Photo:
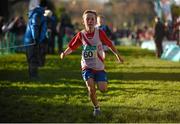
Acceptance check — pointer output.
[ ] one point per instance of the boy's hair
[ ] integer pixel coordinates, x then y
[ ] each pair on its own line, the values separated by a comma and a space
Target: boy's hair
101, 16
90, 11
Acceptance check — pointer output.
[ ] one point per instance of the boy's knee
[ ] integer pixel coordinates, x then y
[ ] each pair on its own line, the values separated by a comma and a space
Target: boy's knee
103, 89
102, 86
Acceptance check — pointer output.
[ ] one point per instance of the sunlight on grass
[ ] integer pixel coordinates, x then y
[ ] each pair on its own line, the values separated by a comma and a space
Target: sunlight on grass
143, 89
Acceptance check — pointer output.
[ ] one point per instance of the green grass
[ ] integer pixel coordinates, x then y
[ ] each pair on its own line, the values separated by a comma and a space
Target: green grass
143, 89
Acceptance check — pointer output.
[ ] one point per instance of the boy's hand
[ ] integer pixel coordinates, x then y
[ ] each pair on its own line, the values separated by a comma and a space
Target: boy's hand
62, 55
119, 58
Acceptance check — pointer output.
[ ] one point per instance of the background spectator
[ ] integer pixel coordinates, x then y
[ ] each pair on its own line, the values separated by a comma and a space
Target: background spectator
158, 36
35, 38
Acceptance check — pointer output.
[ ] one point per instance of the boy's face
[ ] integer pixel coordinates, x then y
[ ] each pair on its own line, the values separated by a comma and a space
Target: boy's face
100, 21
89, 21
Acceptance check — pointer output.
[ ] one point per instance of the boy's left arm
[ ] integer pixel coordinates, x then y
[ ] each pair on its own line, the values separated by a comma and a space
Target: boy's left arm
108, 42
116, 53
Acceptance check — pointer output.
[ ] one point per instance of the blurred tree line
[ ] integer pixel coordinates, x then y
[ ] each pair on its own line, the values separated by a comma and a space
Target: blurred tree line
175, 11
118, 13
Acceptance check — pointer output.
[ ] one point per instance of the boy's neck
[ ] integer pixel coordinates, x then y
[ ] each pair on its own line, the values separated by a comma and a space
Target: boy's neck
90, 30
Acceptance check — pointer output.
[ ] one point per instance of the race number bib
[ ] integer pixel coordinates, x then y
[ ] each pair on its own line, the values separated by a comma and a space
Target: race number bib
89, 52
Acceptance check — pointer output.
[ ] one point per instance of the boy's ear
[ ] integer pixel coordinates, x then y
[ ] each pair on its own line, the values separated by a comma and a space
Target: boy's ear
96, 21
82, 21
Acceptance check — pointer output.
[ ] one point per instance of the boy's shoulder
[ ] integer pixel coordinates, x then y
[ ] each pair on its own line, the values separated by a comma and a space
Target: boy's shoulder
84, 31
78, 34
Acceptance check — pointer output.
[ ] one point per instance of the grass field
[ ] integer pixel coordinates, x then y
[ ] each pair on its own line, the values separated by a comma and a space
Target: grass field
143, 89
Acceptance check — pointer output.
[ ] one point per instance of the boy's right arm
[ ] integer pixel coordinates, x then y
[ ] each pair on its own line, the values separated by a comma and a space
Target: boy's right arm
73, 45
66, 52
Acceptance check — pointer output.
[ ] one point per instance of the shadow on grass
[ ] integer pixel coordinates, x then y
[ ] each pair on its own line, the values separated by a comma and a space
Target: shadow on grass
19, 109
42, 90
144, 76
40, 103
46, 75
133, 92
22, 110
56, 75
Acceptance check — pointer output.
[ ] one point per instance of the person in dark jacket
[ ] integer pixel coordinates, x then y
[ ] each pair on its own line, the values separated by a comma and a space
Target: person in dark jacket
159, 36
101, 24
35, 38
1, 25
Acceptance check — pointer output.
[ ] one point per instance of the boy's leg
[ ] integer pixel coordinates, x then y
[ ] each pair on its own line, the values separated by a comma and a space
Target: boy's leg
88, 76
42, 54
32, 59
92, 91
101, 79
102, 86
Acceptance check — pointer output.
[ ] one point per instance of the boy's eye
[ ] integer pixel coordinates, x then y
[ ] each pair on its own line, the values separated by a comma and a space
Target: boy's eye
90, 19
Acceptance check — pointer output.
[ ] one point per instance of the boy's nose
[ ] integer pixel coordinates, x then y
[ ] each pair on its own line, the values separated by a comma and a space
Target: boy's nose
91, 20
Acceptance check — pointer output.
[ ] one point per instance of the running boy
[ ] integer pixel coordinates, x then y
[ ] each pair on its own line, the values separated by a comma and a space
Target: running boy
92, 62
